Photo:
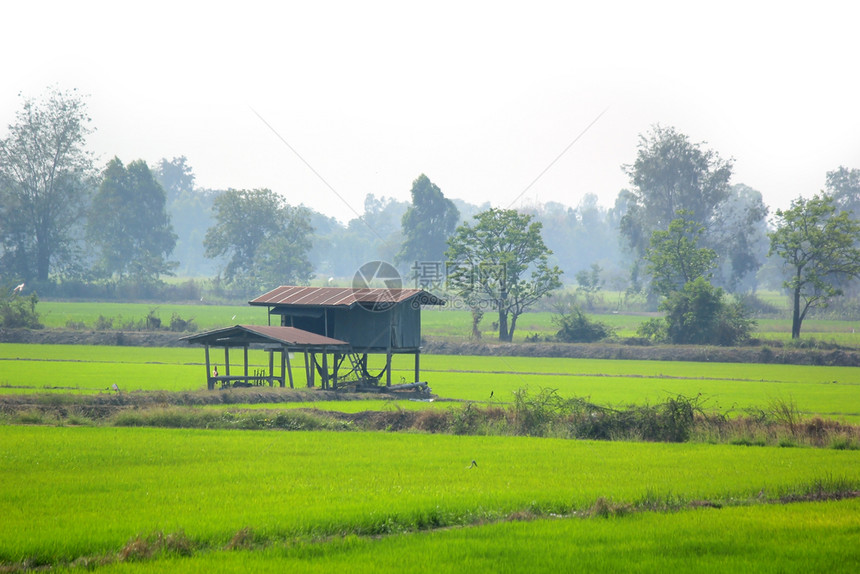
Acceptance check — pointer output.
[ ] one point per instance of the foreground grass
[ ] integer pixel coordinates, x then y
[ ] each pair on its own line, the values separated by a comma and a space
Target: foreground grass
67, 493
808, 537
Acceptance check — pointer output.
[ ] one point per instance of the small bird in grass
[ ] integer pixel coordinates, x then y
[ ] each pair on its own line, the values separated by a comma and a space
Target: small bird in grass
473, 465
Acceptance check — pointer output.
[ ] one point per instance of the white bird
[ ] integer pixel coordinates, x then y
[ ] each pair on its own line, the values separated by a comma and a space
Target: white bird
234, 318
18, 289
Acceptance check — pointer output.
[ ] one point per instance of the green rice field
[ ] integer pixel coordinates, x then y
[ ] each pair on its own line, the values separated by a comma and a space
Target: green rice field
831, 392
70, 494
435, 322
134, 499
811, 537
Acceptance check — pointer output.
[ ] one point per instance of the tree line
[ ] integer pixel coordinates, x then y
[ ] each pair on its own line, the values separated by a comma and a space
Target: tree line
683, 233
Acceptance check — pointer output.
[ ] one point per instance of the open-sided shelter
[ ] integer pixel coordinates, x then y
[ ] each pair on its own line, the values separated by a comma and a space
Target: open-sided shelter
282, 340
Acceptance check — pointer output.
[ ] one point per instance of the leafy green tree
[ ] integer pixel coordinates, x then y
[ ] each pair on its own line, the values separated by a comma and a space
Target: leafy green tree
427, 223
265, 239
488, 263
674, 257
671, 174
45, 184
129, 225
819, 250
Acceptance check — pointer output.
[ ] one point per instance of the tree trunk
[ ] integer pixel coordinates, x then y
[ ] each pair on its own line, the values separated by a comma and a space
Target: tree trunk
796, 318
43, 260
504, 336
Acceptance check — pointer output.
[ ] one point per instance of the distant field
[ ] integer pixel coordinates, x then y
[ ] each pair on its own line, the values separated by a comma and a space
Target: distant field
435, 322
833, 392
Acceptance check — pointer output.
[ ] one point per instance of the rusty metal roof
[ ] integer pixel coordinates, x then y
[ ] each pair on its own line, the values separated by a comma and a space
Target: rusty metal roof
260, 334
342, 296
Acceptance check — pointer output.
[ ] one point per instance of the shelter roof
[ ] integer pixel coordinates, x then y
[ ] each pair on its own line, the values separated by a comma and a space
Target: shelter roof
342, 296
260, 334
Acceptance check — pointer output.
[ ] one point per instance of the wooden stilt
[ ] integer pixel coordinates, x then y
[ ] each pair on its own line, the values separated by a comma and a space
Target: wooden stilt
285, 360
272, 368
417, 371
246, 363
210, 382
227, 361
388, 369
324, 376
337, 359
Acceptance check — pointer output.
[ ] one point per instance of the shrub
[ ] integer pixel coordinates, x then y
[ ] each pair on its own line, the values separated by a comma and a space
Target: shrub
653, 330
698, 315
178, 324
575, 327
17, 311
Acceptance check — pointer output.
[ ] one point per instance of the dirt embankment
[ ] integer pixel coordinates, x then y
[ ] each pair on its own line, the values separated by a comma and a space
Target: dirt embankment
761, 354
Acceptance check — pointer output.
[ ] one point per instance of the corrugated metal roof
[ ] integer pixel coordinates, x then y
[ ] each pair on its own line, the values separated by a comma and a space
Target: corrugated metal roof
240, 334
341, 296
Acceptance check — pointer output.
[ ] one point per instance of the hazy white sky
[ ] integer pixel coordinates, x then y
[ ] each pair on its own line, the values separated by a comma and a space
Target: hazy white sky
480, 96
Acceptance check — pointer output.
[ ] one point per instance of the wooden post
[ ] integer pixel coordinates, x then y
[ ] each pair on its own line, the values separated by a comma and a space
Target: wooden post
285, 360
313, 368
246, 364
388, 369
210, 383
308, 369
226, 360
324, 376
337, 359
272, 368
417, 373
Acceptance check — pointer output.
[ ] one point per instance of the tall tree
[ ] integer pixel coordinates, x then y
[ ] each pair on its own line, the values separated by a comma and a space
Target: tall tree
190, 210
45, 182
670, 174
489, 262
843, 185
265, 239
427, 223
738, 234
175, 176
129, 223
819, 250
675, 258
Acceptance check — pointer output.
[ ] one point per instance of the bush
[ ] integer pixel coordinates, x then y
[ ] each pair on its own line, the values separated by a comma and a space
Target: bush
653, 330
698, 315
17, 311
575, 327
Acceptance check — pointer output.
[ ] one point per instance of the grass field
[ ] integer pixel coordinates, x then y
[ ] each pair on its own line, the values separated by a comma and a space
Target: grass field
833, 392
801, 538
119, 499
67, 493
435, 322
